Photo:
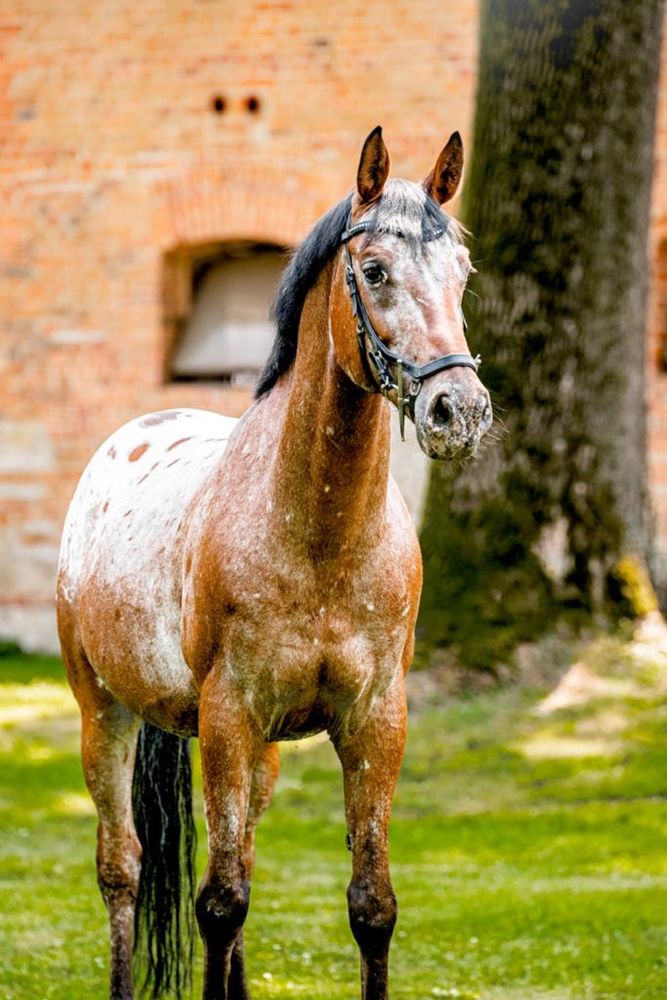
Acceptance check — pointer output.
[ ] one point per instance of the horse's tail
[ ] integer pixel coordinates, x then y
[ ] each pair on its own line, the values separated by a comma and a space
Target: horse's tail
164, 925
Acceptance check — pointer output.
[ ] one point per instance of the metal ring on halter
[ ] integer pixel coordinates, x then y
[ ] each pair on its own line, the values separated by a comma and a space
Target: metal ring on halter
380, 357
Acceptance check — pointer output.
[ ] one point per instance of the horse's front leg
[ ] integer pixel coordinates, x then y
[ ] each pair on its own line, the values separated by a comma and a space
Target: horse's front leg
371, 751
230, 748
261, 789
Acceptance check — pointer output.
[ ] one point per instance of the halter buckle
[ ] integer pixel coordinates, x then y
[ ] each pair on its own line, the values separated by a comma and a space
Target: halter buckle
400, 399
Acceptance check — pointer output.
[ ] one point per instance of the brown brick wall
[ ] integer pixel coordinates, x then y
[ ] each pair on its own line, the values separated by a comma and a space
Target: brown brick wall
113, 155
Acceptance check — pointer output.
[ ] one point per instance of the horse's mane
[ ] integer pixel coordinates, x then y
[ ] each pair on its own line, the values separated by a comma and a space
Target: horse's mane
299, 276
404, 208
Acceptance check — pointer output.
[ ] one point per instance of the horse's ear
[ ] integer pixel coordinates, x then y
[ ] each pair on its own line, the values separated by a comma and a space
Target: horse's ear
444, 179
373, 166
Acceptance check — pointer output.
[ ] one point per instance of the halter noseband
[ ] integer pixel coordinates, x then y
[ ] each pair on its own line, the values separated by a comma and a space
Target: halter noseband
379, 362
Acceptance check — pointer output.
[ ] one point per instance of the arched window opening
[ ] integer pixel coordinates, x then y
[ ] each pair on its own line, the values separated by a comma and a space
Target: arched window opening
218, 299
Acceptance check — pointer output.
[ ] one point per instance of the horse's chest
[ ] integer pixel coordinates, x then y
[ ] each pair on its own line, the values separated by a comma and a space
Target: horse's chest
303, 662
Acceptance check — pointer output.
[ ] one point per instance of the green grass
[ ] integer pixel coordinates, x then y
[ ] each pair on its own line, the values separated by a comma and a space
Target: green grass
529, 851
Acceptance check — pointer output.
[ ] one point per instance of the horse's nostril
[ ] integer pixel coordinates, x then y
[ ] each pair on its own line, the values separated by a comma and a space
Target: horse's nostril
487, 416
442, 412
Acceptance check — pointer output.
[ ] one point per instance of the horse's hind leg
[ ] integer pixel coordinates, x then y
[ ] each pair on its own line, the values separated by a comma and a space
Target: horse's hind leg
108, 743
261, 789
371, 751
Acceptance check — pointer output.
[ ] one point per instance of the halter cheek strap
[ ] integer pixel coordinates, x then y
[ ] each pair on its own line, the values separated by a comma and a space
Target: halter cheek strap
384, 368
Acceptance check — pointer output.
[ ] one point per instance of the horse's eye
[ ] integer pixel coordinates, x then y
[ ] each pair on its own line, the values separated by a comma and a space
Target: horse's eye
374, 274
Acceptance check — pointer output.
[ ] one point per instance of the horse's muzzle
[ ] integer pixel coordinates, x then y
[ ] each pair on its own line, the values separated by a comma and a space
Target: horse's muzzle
452, 415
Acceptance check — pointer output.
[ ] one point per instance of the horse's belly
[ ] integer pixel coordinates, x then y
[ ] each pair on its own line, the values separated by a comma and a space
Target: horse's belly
131, 635
120, 564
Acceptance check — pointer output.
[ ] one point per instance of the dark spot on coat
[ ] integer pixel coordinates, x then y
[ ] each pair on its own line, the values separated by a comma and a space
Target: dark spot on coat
137, 452
158, 418
169, 464
112, 452
180, 441
106, 507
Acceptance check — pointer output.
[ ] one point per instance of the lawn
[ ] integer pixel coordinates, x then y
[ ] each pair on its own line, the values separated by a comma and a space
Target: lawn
528, 846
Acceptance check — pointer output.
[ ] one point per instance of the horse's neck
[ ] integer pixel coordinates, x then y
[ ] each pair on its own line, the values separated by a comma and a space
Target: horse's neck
332, 466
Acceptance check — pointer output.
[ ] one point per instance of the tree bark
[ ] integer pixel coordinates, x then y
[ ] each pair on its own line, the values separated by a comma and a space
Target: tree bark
552, 520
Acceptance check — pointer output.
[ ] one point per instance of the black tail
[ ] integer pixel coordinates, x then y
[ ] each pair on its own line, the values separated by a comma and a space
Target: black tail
164, 926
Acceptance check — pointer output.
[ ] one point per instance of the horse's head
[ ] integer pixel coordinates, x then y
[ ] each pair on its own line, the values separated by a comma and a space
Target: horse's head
404, 268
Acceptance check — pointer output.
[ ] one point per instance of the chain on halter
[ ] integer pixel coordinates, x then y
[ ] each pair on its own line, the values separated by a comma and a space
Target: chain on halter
379, 362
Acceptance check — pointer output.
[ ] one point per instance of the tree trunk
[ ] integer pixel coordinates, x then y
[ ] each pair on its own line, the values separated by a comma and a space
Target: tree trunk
551, 521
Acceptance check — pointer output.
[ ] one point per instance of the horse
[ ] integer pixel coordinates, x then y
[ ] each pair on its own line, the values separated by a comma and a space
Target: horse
258, 580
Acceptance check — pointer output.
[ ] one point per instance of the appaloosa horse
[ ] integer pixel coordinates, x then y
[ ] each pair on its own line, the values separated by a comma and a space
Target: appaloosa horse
254, 581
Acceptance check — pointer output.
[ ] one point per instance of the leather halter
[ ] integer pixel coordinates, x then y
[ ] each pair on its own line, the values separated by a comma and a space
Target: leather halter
379, 362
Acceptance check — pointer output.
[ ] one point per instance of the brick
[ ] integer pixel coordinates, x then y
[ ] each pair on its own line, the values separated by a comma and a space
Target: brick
25, 447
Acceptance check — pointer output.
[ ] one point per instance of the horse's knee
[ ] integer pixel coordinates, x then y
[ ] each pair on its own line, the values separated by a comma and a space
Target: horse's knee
221, 909
372, 910
118, 865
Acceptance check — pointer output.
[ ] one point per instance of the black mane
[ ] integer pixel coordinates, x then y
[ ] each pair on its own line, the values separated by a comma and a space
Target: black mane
403, 209
299, 276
